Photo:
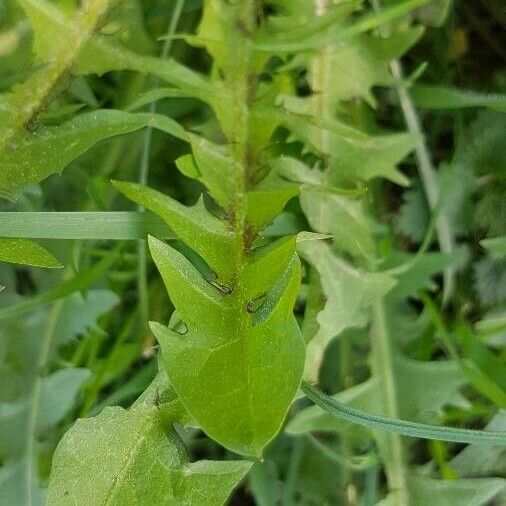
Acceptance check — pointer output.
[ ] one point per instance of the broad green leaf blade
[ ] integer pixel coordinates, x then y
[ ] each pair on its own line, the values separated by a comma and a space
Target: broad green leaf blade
234, 362
204, 233
403, 427
129, 457
50, 149
342, 217
109, 225
26, 252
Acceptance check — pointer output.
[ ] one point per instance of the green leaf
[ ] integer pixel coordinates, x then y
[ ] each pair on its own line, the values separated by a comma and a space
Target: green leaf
436, 13
413, 218
440, 97
129, 457
417, 272
81, 281
465, 492
268, 198
495, 246
490, 280
204, 233
349, 294
26, 100
354, 155
98, 54
110, 225
342, 217
289, 34
423, 389
34, 402
225, 341
214, 167
413, 429
363, 62
58, 392
26, 252
477, 460
316, 40
81, 310
50, 149
330, 212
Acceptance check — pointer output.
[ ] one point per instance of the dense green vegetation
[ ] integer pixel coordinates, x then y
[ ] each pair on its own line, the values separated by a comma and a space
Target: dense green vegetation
252, 252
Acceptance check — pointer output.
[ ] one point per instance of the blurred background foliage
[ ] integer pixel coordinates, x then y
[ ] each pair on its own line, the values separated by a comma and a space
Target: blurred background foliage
92, 349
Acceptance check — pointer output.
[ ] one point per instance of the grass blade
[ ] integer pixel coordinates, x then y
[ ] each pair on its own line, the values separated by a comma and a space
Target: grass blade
82, 225
402, 427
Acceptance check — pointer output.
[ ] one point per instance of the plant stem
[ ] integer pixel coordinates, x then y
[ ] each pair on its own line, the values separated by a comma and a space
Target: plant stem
321, 77
38, 88
426, 168
34, 397
427, 175
293, 472
321, 86
383, 369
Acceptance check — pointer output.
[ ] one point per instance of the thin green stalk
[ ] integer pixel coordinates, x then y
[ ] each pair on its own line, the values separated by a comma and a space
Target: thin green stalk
371, 479
426, 168
345, 361
321, 71
34, 399
427, 175
474, 375
293, 472
34, 396
382, 367
322, 85
142, 279
93, 389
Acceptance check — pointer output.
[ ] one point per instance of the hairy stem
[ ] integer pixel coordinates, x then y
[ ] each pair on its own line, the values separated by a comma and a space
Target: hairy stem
239, 81
37, 90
